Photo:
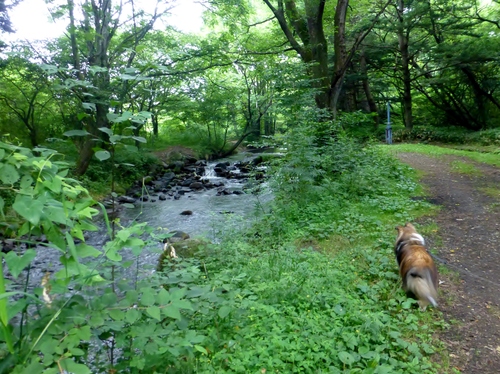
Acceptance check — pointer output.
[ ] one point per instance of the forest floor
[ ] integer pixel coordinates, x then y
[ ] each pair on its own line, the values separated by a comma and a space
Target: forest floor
468, 242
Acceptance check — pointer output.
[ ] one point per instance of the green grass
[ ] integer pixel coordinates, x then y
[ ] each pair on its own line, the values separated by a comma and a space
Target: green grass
462, 167
491, 191
436, 151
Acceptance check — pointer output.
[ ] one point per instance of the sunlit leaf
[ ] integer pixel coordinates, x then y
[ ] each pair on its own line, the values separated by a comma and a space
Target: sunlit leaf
89, 106
102, 155
106, 130
139, 139
76, 133
199, 348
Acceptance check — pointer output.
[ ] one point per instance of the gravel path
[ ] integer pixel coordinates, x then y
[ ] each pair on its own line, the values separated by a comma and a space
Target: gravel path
468, 239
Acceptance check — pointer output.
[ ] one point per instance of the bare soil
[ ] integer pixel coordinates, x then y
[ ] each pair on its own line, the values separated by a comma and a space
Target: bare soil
468, 241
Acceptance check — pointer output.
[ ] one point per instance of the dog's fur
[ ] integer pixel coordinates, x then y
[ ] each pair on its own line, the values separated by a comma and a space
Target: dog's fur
417, 269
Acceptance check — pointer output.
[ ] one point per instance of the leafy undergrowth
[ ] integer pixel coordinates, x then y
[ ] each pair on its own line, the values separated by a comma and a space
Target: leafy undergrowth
312, 287
334, 305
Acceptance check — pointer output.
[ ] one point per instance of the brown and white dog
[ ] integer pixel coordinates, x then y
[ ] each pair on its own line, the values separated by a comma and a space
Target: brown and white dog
416, 267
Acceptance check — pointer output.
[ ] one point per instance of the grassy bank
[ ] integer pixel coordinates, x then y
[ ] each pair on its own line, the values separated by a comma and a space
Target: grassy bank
491, 158
315, 288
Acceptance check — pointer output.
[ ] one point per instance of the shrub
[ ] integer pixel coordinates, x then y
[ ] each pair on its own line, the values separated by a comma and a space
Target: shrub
450, 135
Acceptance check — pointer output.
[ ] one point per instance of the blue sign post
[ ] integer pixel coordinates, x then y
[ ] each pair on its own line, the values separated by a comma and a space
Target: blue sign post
388, 128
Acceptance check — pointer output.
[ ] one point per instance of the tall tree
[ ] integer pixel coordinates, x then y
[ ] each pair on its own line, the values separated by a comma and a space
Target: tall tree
103, 40
304, 27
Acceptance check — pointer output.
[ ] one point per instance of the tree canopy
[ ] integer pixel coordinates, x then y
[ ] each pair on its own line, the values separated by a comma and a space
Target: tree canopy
122, 68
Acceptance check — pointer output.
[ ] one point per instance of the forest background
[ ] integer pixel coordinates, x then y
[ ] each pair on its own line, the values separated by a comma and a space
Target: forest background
312, 76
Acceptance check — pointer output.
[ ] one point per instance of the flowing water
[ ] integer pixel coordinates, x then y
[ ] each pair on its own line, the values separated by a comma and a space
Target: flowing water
211, 217
210, 213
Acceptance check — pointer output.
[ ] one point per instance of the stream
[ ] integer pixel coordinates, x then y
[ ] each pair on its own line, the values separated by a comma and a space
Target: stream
212, 215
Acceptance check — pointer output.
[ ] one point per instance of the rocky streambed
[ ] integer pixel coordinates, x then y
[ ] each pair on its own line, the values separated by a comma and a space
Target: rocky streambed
196, 196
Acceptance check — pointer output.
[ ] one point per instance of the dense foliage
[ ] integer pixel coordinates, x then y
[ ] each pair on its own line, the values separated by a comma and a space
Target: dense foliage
312, 285
431, 59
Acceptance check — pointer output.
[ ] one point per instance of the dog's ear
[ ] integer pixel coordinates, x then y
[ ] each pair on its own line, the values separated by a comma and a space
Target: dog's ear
410, 226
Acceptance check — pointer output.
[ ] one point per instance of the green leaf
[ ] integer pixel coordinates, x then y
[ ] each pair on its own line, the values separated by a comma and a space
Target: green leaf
97, 69
2, 204
85, 250
123, 235
154, 312
199, 348
346, 358
33, 367
89, 106
28, 208
16, 264
125, 116
115, 138
163, 297
55, 214
106, 130
102, 155
172, 312
9, 174
132, 315
111, 252
136, 244
117, 314
384, 369
76, 133
197, 291
71, 245
72, 367
147, 297
2, 153
53, 184
81, 116
183, 304
224, 311
112, 117
26, 182
139, 139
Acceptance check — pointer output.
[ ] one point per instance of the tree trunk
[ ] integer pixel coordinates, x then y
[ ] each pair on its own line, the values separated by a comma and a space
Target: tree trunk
84, 157
154, 120
339, 67
405, 66
33, 136
372, 105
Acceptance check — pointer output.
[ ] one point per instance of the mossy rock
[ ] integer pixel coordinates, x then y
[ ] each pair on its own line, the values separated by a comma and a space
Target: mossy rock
189, 248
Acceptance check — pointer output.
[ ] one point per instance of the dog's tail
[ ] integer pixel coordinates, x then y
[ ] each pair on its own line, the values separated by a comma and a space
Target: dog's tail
419, 282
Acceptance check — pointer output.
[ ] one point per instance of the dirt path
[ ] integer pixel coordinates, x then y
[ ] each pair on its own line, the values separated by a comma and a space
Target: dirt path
469, 240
